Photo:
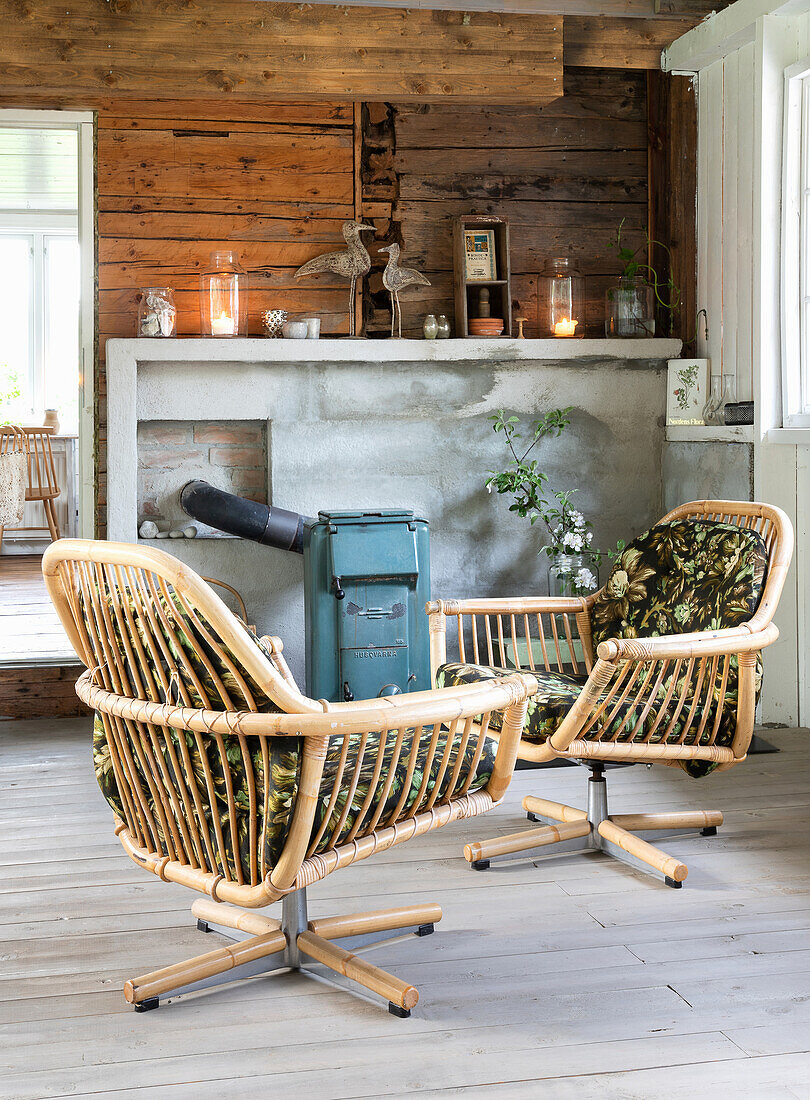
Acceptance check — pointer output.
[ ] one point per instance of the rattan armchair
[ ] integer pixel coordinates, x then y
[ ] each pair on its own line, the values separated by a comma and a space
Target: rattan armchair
619, 687
225, 778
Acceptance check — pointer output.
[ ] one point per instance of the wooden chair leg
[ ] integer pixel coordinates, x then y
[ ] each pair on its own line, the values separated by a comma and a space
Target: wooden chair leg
398, 993
2, 529
671, 868
482, 851
194, 973
686, 819
231, 916
50, 516
382, 920
555, 811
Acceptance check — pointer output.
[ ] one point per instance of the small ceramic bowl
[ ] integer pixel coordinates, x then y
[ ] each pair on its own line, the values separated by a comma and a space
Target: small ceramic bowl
486, 326
273, 321
295, 330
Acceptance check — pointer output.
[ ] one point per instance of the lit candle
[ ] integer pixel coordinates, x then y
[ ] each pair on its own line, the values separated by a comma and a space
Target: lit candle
565, 327
224, 325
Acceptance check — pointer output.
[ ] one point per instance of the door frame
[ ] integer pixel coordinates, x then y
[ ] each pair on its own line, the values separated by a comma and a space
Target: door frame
83, 123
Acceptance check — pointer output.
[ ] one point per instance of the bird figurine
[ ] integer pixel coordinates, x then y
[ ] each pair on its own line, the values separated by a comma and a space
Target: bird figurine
351, 263
396, 278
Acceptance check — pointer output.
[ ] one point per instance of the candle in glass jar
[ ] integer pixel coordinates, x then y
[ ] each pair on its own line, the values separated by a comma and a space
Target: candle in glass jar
565, 327
223, 325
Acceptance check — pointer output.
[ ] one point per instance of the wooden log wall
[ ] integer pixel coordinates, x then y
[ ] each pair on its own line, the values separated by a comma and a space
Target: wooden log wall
566, 175
178, 180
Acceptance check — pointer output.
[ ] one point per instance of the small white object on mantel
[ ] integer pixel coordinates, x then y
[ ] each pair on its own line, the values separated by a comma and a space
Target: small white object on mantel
190, 532
148, 529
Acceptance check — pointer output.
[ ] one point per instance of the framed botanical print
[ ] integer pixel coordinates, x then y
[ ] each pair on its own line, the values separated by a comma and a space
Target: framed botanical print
687, 381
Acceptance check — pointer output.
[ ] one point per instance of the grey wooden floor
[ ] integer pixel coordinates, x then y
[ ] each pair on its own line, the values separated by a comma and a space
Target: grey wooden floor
30, 630
565, 977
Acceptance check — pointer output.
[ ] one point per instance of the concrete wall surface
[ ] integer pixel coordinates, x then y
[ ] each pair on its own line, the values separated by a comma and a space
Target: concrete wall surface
707, 471
353, 435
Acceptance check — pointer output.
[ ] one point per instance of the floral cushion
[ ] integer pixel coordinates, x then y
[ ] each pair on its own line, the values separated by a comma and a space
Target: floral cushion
546, 710
678, 577
276, 798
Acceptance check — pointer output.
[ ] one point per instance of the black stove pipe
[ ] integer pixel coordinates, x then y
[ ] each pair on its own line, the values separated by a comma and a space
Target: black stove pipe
245, 518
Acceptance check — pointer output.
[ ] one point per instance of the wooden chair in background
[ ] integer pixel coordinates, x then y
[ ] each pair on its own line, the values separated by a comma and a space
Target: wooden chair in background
43, 485
225, 778
626, 678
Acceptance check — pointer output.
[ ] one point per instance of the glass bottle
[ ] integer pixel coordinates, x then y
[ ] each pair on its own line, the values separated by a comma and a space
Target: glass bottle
444, 328
224, 297
157, 313
430, 327
729, 395
711, 410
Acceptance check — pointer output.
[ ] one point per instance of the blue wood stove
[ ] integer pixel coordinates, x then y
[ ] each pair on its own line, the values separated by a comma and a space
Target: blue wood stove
366, 583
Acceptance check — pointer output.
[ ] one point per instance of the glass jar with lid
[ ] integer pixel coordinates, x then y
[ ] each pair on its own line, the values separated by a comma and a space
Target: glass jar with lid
157, 314
224, 297
561, 300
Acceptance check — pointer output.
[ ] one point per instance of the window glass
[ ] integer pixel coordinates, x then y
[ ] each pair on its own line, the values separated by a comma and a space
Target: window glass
16, 328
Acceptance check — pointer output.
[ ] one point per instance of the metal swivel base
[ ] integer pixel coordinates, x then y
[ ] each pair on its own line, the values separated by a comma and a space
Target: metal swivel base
319, 949
572, 830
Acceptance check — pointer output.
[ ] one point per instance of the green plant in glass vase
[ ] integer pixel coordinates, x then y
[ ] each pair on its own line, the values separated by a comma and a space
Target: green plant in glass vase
631, 305
574, 563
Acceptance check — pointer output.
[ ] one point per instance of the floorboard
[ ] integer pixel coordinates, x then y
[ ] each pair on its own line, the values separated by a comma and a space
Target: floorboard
30, 630
547, 977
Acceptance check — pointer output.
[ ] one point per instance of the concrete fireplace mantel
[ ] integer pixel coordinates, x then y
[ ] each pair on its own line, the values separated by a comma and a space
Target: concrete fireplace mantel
343, 350
398, 423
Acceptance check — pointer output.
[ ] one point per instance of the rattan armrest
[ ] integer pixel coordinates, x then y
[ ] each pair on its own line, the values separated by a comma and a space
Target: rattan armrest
516, 605
683, 646
419, 708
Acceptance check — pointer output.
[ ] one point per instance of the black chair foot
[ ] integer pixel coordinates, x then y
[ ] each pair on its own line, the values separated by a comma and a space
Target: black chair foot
203, 926
673, 883
425, 930
532, 817
480, 865
395, 1010
148, 1005
710, 830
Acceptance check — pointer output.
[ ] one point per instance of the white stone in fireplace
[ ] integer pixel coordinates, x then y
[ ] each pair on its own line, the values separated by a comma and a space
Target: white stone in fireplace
399, 423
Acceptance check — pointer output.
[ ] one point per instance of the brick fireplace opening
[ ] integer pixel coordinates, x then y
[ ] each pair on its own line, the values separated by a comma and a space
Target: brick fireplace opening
230, 454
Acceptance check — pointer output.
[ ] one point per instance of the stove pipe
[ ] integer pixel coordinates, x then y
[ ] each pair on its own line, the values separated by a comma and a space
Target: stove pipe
245, 518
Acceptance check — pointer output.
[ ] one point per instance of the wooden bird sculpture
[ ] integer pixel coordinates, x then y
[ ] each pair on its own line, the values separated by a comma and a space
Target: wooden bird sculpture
396, 278
351, 263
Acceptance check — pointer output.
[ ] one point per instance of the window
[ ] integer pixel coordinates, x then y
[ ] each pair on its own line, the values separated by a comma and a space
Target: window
39, 274
796, 249
39, 331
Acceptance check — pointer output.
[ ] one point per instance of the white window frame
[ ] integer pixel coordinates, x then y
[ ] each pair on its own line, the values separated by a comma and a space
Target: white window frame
39, 229
82, 122
796, 248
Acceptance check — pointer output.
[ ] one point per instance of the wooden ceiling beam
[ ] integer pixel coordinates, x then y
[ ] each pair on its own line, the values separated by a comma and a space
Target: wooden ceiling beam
250, 50
619, 43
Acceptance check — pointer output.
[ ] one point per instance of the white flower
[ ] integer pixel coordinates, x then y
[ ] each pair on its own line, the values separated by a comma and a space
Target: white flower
584, 580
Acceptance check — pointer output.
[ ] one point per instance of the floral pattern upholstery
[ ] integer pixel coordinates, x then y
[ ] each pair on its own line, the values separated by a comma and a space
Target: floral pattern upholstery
273, 772
678, 577
275, 798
